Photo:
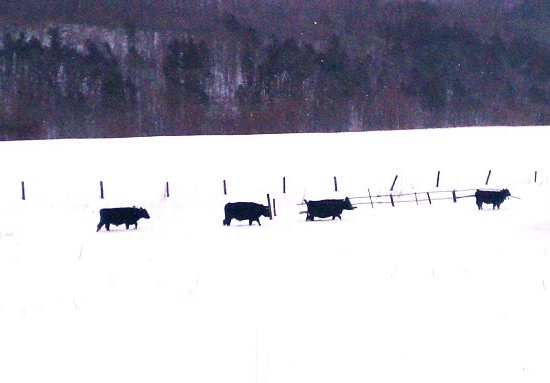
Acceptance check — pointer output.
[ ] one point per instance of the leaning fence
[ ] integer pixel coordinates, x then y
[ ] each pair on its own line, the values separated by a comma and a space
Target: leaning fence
412, 197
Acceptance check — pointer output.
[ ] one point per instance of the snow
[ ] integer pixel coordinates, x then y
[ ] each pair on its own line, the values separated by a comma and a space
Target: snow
430, 293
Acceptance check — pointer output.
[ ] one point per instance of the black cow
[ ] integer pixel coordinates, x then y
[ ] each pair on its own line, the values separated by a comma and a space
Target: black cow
245, 211
491, 197
327, 208
121, 215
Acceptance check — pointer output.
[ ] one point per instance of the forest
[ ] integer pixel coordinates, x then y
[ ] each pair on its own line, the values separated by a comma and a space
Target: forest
86, 69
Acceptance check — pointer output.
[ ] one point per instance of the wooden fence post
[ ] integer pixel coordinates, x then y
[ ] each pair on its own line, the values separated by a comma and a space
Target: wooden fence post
335, 184
101, 190
535, 176
415, 198
391, 199
269, 206
224, 188
393, 184
167, 190
284, 185
370, 198
487, 180
429, 199
437, 183
454, 196
274, 208
23, 197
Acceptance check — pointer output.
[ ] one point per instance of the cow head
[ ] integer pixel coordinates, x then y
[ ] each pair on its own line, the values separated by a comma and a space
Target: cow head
265, 211
506, 193
347, 204
143, 213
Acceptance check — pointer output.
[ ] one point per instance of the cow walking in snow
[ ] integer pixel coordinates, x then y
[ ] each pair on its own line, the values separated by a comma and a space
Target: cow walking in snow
121, 215
327, 208
496, 198
242, 211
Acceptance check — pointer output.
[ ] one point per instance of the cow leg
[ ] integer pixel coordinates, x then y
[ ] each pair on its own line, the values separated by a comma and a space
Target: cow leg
135, 226
99, 226
107, 226
258, 220
250, 222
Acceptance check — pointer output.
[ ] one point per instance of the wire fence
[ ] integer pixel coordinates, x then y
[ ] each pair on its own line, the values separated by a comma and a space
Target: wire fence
370, 199
414, 197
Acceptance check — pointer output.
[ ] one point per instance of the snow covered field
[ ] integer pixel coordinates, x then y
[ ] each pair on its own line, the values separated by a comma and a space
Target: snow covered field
412, 293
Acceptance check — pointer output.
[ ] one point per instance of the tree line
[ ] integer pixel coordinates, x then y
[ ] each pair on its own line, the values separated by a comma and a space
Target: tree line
288, 66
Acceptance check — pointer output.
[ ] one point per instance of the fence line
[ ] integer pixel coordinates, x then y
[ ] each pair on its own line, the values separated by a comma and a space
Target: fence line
395, 200
371, 197
413, 193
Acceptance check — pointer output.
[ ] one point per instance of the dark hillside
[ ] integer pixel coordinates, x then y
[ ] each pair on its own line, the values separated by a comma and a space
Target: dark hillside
78, 68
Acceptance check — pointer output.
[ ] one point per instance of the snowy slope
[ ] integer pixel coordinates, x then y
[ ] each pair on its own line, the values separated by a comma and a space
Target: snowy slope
431, 293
